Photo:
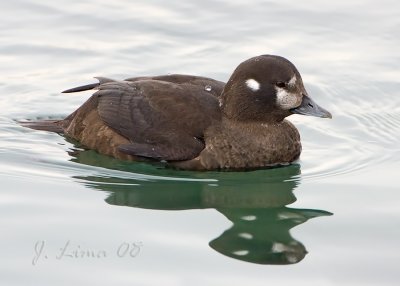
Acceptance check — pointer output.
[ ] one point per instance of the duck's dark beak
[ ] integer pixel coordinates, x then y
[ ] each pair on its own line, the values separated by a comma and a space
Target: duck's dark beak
309, 107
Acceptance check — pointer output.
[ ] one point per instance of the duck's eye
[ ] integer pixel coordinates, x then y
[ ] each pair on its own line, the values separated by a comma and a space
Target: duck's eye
280, 84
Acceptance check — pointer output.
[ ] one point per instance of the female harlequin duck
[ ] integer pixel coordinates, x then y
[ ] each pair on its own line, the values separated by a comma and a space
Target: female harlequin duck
196, 123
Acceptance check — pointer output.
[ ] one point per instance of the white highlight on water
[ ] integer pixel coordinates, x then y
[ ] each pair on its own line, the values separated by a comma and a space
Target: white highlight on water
278, 247
240, 252
249, 217
245, 235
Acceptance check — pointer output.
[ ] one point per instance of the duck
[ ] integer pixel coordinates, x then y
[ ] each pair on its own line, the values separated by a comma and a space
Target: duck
192, 122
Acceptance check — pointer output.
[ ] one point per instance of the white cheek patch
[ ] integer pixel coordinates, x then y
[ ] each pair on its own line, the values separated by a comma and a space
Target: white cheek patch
253, 84
292, 81
286, 100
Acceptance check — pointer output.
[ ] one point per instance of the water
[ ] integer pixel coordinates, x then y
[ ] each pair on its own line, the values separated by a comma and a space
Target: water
73, 217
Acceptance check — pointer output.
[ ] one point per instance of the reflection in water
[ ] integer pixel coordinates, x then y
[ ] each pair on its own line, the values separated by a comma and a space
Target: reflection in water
261, 235
255, 202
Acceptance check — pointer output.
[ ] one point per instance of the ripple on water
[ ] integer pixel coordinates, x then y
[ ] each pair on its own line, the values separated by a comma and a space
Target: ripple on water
364, 132
49, 153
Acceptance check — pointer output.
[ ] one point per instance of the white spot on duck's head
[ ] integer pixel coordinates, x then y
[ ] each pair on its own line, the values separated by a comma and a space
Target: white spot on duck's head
253, 84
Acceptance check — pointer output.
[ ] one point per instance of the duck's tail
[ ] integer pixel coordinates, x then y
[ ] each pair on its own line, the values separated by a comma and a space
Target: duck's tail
58, 126
45, 125
89, 86
82, 88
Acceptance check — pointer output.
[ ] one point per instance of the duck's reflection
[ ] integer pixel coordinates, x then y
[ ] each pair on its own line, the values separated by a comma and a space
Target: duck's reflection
255, 202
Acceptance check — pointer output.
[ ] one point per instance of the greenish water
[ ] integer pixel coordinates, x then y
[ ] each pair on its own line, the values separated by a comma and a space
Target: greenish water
74, 217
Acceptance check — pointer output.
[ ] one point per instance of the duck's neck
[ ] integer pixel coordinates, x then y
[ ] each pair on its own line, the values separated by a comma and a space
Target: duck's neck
255, 127
250, 118
242, 111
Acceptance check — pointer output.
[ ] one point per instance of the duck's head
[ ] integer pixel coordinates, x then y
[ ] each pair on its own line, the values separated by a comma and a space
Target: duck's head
267, 88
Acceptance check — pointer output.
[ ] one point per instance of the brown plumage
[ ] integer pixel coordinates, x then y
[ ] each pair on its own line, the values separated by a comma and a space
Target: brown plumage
195, 122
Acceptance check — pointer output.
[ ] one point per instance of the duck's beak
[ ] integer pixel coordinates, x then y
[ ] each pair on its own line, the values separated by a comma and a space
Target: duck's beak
309, 107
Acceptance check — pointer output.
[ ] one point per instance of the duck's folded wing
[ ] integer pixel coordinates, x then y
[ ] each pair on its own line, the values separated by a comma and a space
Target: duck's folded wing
161, 120
163, 151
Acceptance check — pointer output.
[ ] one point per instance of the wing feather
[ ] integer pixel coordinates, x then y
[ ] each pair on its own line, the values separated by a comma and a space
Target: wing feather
162, 120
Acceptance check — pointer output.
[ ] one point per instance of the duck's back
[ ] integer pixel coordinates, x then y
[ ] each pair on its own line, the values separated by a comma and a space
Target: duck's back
160, 117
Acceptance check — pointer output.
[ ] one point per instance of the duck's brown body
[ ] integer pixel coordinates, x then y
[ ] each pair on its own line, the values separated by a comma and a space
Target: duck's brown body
86, 126
243, 146
175, 121
190, 122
